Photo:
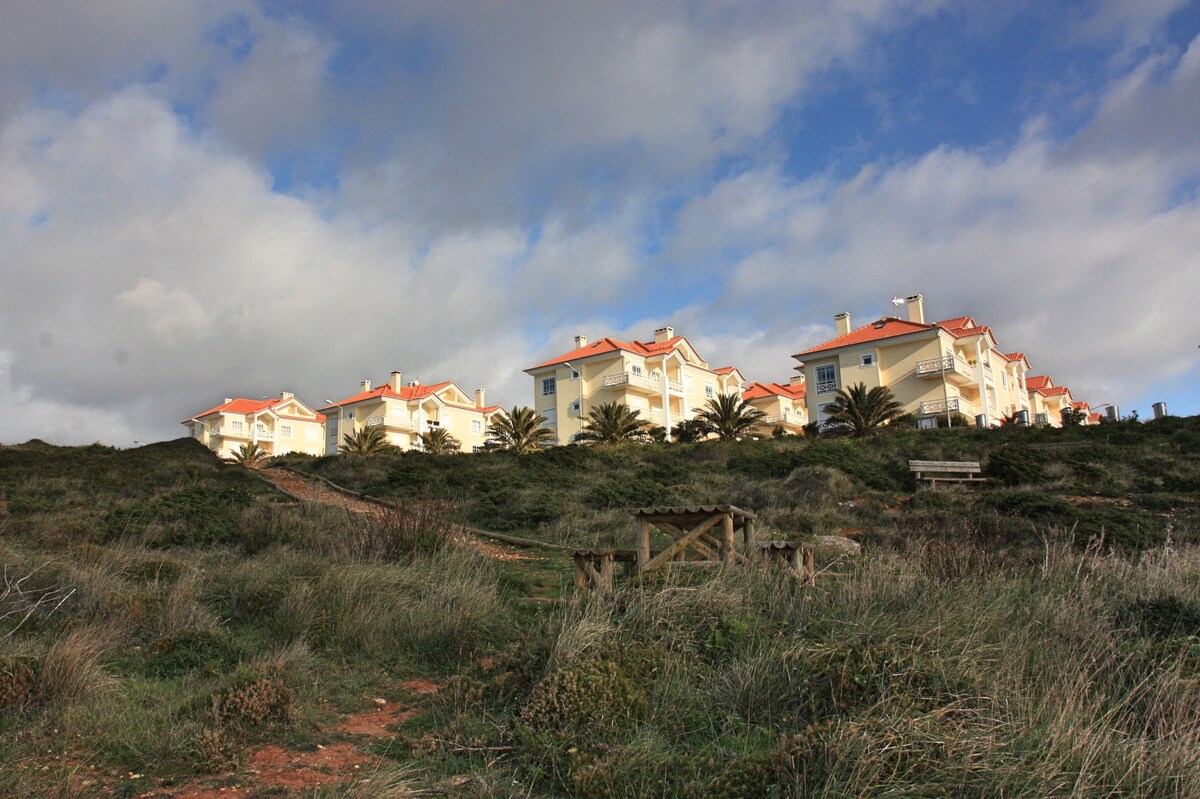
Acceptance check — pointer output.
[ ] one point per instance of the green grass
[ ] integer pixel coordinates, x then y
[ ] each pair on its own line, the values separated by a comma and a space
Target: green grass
1038, 636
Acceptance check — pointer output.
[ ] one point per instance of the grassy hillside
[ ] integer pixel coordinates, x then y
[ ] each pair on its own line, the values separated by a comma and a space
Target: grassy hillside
1135, 483
165, 619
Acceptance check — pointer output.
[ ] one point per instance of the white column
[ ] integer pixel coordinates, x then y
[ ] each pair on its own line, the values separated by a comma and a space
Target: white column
979, 380
666, 397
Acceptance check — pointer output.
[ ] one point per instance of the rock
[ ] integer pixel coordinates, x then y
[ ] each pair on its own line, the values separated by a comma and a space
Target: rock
835, 545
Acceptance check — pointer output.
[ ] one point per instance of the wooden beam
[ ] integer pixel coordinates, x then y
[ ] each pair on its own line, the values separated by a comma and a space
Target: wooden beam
727, 540
643, 547
681, 544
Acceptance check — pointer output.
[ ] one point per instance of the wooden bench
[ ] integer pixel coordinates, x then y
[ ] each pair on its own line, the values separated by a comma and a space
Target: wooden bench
793, 556
934, 472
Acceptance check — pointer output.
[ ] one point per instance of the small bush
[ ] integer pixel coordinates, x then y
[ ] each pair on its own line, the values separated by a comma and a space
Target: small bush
253, 700
595, 693
191, 650
1014, 466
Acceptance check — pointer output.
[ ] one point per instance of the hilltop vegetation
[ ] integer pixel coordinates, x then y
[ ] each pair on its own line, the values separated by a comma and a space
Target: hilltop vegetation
165, 615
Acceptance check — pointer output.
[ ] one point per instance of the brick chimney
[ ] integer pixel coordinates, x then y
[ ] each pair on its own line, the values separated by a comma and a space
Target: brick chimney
664, 334
916, 309
396, 382
365, 385
842, 321
580, 342
479, 397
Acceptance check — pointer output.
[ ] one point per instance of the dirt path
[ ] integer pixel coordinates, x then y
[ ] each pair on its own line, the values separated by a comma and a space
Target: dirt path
313, 490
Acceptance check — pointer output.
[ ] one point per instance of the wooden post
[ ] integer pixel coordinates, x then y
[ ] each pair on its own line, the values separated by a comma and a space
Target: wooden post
727, 540
748, 534
580, 574
643, 551
605, 582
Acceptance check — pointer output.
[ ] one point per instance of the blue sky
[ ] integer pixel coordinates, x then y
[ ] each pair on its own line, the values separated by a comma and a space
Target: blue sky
209, 199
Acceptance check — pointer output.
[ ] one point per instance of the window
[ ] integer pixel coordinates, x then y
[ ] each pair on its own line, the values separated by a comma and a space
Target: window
1003, 380
689, 383
551, 418
574, 374
349, 415
285, 430
575, 407
236, 425
710, 390
446, 419
635, 369
826, 379
548, 386
866, 359
477, 426
1041, 418
260, 428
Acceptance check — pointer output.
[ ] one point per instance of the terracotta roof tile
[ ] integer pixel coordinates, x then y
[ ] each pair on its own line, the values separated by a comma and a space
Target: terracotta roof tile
888, 327
1034, 382
244, 406
606, 345
760, 390
406, 393
957, 322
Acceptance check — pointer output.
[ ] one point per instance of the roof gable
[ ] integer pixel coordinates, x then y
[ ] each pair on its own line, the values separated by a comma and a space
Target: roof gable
885, 328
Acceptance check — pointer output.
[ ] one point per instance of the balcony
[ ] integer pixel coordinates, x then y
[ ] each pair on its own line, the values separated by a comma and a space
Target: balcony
228, 432
953, 405
637, 382
265, 435
675, 386
955, 369
393, 422
827, 386
780, 418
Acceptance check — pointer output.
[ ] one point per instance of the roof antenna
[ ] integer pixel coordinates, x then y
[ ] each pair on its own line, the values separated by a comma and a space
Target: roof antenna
896, 303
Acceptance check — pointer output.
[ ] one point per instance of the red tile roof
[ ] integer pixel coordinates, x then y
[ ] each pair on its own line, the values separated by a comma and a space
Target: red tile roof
724, 370
980, 330
1034, 382
957, 322
760, 390
606, 345
1093, 418
244, 406
420, 391
1080, 404
888, 327
1018, 356
1054, 391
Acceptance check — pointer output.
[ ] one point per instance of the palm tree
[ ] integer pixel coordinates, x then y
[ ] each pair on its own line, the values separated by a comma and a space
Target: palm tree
521, 429
859, 411
690, 430
366, 442
438, 441
730, 416
614, 423
251, 455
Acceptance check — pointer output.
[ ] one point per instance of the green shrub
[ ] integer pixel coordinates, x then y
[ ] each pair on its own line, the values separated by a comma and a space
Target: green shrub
1014, 466
253, 700
191, 650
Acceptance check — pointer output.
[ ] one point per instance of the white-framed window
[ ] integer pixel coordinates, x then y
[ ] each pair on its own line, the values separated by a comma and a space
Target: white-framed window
574, 374
446, 419
285, 430
551, 415
827, 378
260, 427
1003, 380
477, 426
349, 415
548, 386
236, 425
689, 383
312, 434
575, 407
636, 370
866, 359
710, 390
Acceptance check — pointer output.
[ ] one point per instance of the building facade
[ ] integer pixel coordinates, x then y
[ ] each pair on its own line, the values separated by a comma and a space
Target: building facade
935, 370
665, 380
278, 425
783, 404
405, 412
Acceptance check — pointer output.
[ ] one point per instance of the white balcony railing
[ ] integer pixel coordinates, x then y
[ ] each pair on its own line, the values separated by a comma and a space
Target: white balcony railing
947, 363
214, 432
629, 378
397, 422
265, 435
675, 385
375, 421
780, 418
655, 416
827, 386
953, 405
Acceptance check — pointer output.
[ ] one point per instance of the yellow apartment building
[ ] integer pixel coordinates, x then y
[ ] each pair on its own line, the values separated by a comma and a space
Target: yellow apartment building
939, 369
279, 425
665, 380
783, 404
405, 412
